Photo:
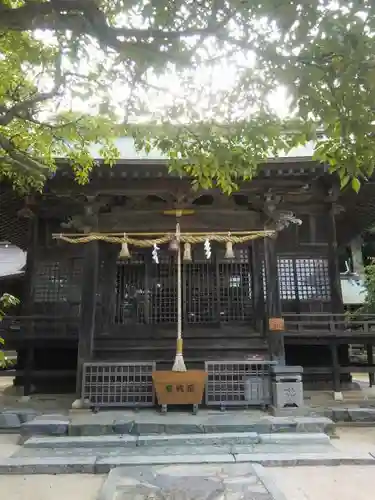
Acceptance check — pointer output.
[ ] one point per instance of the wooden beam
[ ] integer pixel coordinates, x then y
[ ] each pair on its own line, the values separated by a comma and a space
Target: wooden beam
257, 283
370, 361
88, 308
275, 338
109, 254
28, 371
335, 368
333, 264
27, 299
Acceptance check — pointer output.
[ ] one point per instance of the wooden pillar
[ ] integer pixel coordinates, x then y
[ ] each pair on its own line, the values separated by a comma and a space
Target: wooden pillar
333, 263
275, 338
335, 368
357, 256
28, 370
27, 302
109, 254
88, 307
257, 285
370, 362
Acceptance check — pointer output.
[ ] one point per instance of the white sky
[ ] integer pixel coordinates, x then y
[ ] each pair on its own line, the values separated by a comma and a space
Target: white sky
203, 87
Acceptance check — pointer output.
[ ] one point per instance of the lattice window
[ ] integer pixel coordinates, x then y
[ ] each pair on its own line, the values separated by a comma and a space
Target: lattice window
58, 281
235, 286
47, 286
131, 293
313, 279
200, 293
287, 287
211, 290
163, 289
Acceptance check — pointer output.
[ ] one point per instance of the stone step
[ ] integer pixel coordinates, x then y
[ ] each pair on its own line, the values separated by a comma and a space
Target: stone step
107, 424
208, 449
128, 441
100, 464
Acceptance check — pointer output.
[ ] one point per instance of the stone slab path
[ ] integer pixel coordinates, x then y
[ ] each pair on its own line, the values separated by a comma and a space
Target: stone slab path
191, 482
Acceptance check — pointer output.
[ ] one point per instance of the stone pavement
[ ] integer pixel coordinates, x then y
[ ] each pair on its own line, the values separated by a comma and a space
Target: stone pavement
98, 454
174, 472
191, 482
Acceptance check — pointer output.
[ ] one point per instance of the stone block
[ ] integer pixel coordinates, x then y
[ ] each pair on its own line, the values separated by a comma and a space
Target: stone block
123, 426
27, 415
48, 465
304, 459
281, 424
44, 426
295, 438
340, 415
184, 429
145, 428
89, 442
225, 428
338, 396
361, 414
90, 429
315, 424
199, 439
104, 465
9, 421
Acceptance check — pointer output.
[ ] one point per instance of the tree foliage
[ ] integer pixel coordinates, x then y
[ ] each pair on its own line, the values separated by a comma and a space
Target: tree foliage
196, 78
6, 301
368, 306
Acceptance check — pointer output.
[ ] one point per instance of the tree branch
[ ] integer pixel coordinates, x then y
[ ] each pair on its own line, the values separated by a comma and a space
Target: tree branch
85, 17
8, 114
21, 159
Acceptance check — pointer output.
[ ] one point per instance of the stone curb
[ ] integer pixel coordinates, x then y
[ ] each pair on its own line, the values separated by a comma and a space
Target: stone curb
94, 465
29, 424
128, 441
294, 438
305, 459
50, 465
349, 415
20, 419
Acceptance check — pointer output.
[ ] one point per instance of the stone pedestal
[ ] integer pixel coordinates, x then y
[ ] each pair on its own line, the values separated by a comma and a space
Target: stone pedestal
287, 387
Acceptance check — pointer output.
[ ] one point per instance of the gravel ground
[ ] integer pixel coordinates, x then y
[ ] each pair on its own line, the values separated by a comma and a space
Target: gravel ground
48, 487
8, 445
325, 483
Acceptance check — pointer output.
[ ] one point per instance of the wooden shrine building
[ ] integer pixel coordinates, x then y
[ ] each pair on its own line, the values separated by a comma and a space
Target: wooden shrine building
80, 302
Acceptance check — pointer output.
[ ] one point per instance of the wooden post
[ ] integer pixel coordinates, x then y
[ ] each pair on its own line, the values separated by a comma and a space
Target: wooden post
333, 263
335, 368
28, 370
257, 285
27, 302
108, 286
370, 361
88, 308
275, 338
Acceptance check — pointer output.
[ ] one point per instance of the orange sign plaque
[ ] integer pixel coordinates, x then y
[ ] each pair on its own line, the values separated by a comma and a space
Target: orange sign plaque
276, 324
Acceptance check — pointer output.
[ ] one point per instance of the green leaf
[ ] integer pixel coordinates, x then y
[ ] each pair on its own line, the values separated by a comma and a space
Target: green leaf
344, 181
2, 360
166, 85
356, 185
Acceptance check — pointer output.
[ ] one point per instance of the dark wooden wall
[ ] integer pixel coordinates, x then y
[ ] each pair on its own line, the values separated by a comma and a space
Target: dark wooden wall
134, 320
303, 270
